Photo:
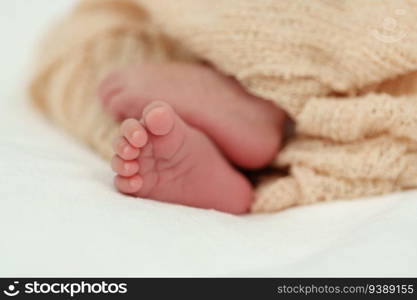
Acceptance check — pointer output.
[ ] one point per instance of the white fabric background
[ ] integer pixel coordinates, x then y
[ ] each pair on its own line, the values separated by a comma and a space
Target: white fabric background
59, 215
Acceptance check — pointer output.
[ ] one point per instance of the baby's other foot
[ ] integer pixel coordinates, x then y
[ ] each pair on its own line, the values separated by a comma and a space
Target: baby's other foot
162, 158
247, 129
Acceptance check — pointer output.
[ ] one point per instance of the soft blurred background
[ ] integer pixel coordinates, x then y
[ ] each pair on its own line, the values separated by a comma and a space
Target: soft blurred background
22, 23
59, 215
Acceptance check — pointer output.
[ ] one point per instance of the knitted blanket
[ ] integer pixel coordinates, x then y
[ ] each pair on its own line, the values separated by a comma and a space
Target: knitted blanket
344, 71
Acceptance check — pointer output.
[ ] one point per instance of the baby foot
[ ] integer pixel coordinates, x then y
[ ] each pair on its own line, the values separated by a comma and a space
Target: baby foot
162, 158
248, 130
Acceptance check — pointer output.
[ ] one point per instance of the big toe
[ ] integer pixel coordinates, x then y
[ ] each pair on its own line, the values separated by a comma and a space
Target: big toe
167, 130
159, 118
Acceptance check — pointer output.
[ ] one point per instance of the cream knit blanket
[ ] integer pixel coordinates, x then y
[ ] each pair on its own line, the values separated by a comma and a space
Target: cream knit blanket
344, 70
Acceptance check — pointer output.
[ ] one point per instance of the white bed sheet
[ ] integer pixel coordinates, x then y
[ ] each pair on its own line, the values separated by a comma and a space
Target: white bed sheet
59, 215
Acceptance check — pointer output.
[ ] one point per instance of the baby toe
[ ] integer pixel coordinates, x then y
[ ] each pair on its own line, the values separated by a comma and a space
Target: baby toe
134, 133
129, 185
126, 151
124, 168
110, 87
159, 118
